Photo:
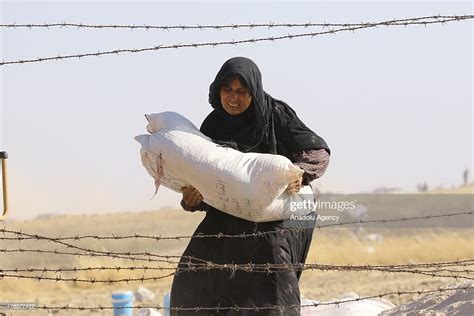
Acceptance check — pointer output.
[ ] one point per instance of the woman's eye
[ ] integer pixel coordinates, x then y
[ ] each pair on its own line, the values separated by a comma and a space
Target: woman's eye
237, 92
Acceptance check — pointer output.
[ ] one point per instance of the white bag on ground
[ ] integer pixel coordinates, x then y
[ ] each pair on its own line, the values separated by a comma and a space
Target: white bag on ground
367, 307
247, 185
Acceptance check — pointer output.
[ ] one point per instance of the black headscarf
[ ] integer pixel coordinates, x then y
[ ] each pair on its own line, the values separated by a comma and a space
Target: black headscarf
267, 126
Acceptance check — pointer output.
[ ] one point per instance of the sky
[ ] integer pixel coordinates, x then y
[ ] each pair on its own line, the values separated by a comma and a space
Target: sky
394, 104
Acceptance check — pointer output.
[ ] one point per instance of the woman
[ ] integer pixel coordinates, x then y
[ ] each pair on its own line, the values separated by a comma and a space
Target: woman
248, 119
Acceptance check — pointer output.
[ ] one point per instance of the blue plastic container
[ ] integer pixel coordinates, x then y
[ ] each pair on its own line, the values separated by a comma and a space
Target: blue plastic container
166, 304
122, 302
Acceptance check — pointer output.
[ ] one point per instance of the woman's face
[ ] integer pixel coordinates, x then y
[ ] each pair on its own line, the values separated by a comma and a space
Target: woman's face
235, 98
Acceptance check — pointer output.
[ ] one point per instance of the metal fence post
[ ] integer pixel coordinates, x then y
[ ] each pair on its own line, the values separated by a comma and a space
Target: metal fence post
3, 157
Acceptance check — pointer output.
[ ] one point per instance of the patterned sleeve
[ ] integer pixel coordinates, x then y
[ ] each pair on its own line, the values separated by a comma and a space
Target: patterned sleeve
314, 162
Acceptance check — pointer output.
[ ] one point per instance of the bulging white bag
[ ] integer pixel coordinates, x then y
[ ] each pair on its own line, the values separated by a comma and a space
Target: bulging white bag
247, 185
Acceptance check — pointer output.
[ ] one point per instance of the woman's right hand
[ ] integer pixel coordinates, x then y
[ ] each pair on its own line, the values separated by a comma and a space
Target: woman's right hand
191, 196
294, 186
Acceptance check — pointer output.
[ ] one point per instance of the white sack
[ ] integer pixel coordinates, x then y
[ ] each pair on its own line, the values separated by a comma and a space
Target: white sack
247, 185
367, 307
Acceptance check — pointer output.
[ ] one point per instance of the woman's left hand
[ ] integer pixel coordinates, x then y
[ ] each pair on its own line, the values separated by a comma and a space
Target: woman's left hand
295, 186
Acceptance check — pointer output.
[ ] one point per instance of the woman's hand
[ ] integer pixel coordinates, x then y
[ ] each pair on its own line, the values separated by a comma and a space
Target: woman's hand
191, 196
295, 186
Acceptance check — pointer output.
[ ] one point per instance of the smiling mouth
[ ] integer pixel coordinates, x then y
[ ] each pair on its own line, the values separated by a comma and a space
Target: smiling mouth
233, 105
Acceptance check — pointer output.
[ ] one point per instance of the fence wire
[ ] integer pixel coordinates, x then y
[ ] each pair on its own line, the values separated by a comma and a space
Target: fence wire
25, 236
261, 308
435, 20
220, 27
425, 267
194, 264
143, 278
455, 270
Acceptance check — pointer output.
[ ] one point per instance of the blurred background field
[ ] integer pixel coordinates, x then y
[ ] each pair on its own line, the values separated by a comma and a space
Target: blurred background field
352, 245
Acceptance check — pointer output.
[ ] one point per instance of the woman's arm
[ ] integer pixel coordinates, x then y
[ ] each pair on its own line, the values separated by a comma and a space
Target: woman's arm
314, 162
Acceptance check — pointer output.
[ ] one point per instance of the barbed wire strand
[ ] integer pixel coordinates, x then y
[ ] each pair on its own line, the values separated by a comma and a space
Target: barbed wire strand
132, 256
464, 262
426, 267
86, 254
245, 267
233, 42
143, 278
107, 253
309, 266
4, 230
91, 280
260, 308
220, 27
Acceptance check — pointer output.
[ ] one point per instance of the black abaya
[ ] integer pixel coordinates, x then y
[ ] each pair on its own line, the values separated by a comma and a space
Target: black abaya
267, 126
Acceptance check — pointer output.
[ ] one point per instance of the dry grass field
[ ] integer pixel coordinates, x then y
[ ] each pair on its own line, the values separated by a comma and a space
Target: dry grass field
346, 245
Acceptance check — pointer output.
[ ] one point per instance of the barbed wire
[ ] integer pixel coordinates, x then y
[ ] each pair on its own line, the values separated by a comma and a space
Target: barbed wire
89, 254
222, 26
85, 269
133, 255
191, 266
144, 278
249, 267
127, 254
26, 236
261, 308
309, 266
464, 262
91, 280
301, 266
238, 42
434, 269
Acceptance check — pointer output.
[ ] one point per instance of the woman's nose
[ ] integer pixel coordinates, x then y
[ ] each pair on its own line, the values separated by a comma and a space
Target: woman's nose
233, 96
